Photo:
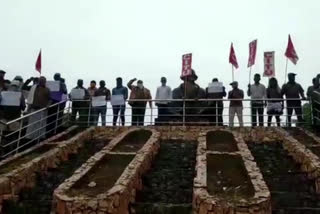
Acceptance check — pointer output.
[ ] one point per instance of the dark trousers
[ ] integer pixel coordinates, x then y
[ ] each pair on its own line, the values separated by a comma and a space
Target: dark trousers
138, 112
116, 110
257, 108
82, 110
270, 119
297, 109
100, 110
162, 112
216, 114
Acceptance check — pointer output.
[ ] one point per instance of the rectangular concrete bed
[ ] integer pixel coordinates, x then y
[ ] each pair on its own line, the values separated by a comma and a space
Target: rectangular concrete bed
110, 200
24, 175
205, 203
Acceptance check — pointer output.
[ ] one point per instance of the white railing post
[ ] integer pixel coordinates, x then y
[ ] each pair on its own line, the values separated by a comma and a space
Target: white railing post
19, 136
57, 121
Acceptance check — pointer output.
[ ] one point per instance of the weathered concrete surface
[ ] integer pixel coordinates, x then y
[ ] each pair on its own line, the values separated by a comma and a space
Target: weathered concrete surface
204, 203
24, 175
116, 199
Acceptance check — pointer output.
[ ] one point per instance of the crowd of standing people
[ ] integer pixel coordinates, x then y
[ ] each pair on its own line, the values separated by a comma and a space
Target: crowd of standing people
45, 101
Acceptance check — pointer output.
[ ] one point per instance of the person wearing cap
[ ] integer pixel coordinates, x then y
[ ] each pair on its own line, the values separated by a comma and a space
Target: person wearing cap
293, 90
79, 96
257, 92
138, 107
236, 106
121, 91
189, 89
101, 110
20, 80
216, 107
163, 94
3, 86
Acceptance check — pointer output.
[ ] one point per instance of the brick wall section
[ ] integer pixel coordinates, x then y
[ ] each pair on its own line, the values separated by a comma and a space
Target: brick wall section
115, 200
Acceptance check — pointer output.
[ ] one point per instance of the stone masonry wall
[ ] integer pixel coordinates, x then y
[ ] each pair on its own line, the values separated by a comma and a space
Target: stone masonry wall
115, 200
203, 203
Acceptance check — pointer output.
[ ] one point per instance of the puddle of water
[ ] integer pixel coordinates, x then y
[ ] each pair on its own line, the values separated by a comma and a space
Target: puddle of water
221, 141
133, 141
38, 200
104, 174
227, 177
291, 190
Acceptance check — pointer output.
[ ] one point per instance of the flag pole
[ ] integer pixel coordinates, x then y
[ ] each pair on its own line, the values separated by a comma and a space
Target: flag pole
250, 75
285, 76
232, 72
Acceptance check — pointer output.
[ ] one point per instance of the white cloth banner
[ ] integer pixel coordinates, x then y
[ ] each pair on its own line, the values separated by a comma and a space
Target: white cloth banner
117, 100
54, 86
215, 87
10, 98
99, 101
269, 67
77, 94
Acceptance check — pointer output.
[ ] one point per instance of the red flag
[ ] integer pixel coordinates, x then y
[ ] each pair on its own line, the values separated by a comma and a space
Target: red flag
291, 52
38, 63
186, 65
233, 58
252, 53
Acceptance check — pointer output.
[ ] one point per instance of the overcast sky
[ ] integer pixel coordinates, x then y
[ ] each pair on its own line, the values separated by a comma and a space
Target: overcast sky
104, 39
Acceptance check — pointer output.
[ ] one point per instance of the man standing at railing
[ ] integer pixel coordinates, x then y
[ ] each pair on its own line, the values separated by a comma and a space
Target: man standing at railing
79, 97
92, 90
311, 89
39, 98
257, 92
236, 106
101, 96
295, 92
120, 95
138, 107
55, 112
163, 93
215, 90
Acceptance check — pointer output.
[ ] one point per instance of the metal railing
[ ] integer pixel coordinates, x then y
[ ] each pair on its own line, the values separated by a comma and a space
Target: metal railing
31, 128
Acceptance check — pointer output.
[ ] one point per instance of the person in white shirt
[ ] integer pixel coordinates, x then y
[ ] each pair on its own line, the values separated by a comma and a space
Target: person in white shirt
163, 93
257, 92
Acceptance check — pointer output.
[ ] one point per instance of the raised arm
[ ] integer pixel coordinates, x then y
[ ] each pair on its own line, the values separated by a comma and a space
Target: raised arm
130, 83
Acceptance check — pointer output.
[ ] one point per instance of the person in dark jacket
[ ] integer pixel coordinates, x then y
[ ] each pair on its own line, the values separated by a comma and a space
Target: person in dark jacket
121, 91
138, 107
101, 109
293, 90
215, 107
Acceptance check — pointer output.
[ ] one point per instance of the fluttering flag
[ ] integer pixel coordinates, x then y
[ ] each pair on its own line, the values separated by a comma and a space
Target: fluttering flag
252, 53
232, 57
291, 52
186, 65
38, 63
